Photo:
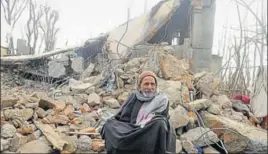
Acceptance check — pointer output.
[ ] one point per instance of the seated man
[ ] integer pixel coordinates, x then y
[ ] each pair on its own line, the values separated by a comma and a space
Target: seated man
141, 126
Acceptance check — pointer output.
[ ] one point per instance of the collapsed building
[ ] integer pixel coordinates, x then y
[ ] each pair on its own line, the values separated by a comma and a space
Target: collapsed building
92, 82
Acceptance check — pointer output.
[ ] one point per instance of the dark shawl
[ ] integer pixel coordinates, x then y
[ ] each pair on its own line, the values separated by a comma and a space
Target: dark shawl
122, 136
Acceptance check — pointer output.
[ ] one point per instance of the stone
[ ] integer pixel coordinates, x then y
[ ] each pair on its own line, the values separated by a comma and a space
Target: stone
209, 150
178, 146
56, 69
88, 71
84, 143
71, 147
214, 109
32, 105
82, 88
39, 147
17, 141
81, 98
89, 130
188, 146
224, 101
93, 99
78, 64
198, 76
172, 89
123, 97
208, 84
112, 103
50, 104
200, 104
51, 135
85, 108
60, 119
37, 134
179, 117
68, 110
98, 145
8, 101
41, 113
8, 130
244, 138
73, 82
133, 63
27, 129
194, 135
4, 144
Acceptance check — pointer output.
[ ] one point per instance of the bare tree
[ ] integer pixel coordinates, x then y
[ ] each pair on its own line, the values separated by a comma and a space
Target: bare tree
48, 27
13, 10
32, 33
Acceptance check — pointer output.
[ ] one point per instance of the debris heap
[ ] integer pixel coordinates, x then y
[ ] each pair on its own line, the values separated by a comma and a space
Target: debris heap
68, 119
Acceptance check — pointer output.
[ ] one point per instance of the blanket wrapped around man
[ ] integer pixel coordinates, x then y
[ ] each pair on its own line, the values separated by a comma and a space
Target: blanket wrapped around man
140, 127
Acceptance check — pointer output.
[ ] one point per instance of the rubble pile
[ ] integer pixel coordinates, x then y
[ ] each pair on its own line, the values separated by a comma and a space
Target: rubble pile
69, 119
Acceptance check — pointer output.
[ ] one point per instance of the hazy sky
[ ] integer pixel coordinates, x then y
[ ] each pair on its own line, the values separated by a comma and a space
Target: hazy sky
82, 19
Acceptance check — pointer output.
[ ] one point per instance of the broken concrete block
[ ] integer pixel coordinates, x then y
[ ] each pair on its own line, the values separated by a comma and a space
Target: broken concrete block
87, 72
8, 130
98, 145
179, 117
25, 114
55, 69
123, 97
60, 119
194, 135
4, 144
188, 146
84, 143
41, 113
17, 141
178, 146
68, 110
8, 101
214, 109
224, 101
50, 104
245, 137
112, 103
35, 146
200, 104
208, 84
51, 135
37, 134
82, 88
208, 150
71, 147
78, 64
93, 99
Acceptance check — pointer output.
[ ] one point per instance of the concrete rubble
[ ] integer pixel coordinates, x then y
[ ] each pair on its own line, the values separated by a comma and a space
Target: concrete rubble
70, 122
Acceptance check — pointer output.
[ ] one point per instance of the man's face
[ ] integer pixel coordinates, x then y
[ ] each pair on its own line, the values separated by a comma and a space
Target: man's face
148, 86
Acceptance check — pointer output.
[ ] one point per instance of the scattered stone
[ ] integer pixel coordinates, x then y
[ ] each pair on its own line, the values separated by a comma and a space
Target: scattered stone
123, 97
194, 135
188, 146
71, 147
214, 109
112, 103
82, 88
50, 104
8, 101
178, 117
51, 135
209, 150
60, 119
98, 145
37, 134
224, 101
200, 104
84, 143
8, 130
41, 113
35, 146
93, 99
88, 71
178, 146
4, 144
68, 110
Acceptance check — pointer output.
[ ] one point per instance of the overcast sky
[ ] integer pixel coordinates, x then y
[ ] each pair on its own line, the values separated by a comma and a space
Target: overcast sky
82, 19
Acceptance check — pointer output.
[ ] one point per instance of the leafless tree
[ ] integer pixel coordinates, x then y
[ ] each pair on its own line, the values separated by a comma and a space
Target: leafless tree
48, 27
32, 33
13, 10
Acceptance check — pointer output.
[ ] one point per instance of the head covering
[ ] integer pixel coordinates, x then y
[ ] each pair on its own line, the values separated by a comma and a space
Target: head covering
146, 73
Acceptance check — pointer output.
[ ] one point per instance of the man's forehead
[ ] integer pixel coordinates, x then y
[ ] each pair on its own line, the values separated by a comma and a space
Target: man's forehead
148, 79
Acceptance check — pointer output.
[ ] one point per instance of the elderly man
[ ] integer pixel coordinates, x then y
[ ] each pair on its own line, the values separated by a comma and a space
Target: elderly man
141, 126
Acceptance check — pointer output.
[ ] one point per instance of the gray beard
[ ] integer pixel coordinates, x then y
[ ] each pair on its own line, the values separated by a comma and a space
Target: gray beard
148, 94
